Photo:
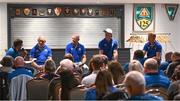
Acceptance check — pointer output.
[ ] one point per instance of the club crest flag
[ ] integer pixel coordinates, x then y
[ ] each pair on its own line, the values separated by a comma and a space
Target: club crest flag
143, 18
171, 10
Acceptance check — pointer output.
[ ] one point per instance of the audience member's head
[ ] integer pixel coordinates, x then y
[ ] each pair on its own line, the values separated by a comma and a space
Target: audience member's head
135, 65
7, 64
67, 79
49, 66
68, 56
175, 56
116, 70
19, 62
150, 66
168, 56
65, 64
135, 83
138, 54
7, 61
97, 62
105, 60
102, 83
176, 74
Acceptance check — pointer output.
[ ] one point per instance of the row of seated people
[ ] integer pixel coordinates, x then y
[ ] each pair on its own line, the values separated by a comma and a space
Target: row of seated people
99, 83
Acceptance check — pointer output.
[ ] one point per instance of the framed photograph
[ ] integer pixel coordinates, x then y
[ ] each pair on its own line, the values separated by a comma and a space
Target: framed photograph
143, 18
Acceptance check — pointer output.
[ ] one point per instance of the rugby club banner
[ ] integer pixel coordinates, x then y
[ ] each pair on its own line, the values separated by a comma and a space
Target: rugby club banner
143, 17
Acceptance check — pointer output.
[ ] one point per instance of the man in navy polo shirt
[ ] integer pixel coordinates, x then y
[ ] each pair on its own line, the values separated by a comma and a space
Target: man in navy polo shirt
152, 48
41, 52
16, 49
109, 46
77, 50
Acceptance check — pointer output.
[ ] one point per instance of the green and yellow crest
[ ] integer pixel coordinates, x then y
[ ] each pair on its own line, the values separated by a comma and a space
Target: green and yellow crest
144, 15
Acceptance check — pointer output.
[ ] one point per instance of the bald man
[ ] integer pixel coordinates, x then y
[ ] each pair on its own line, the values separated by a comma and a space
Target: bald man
41, 52
19, 68
77, 50
135, 84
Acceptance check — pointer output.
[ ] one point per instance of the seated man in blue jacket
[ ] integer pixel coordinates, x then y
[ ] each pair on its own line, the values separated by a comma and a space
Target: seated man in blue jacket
135, 84
152, 75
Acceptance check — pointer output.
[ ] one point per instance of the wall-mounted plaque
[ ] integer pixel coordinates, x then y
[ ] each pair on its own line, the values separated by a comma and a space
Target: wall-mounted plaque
57, 11
143, 17
34, 11
18, 12
90, 11
49, 11
42, 12
26, 11
76, 11
171, 10
83, 11
97, 12
67, 11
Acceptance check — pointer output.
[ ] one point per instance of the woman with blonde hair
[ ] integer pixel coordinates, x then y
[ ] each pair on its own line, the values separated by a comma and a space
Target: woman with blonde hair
135, 65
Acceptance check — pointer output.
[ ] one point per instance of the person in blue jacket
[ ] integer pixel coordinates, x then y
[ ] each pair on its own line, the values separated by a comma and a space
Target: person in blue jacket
40, 53
109, 46
152, 48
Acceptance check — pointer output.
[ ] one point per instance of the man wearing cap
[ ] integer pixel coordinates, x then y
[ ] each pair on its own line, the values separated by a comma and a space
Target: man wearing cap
109, 46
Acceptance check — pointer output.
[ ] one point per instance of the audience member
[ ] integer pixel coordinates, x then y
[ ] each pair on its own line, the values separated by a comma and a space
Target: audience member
50, 68
7, 64
117, 72
68, 82
139, 56
175, 61
97, 63
109, 46
19, 68
135, 85
40, 52
135, 65
103, 86
152, 75
167, 61
173, 88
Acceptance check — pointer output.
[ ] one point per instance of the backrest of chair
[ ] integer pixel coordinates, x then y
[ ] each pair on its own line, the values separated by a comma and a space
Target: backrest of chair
158, 91
54, 89
18, 87
119, 95
77, 94
37, 89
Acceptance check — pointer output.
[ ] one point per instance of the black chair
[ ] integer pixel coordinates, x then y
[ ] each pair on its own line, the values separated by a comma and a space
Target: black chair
116, 96
158, 91
77, 93
37, 89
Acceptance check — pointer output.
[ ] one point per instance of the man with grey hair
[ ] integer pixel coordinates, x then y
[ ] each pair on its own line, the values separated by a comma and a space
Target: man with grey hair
135, 84
152, 75
40, 52
19, 68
